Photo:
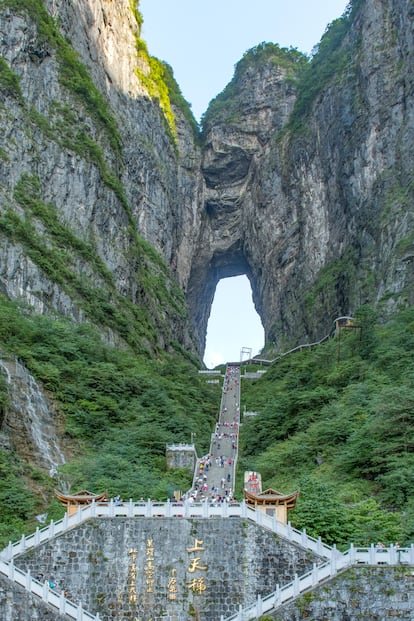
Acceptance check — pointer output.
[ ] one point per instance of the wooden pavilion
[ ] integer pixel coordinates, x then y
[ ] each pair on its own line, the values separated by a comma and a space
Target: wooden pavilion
269, 501
80, 499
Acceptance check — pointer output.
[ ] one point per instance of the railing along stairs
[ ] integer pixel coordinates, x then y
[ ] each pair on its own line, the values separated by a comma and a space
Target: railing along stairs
355, 556
45, 593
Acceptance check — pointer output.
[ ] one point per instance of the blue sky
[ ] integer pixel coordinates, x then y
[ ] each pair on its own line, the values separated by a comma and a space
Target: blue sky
202, 41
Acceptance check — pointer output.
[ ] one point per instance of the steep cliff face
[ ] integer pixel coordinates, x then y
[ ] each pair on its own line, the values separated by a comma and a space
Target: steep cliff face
318, 215
89, 170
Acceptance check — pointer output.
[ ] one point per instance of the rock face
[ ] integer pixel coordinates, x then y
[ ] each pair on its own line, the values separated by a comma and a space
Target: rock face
313, 202
319, 216
30, 426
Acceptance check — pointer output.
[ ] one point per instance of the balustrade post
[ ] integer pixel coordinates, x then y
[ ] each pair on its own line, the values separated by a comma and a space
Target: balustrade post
259, 606
289, 531
62, 603
304, 538
168, 508
131, 508
51, 532
45, 594
243, 508
93, 508
79, 515
393, 554
66, 521
296, 589
315, 577
333, 561
22, 544
111, 508
319, 546
411, 554
240, 613
225, 509
372, 555
10, 551
148, 512
28, 580
37, 536
97, 617
11, 569
277, 600
352, 554
79, 614
205, 507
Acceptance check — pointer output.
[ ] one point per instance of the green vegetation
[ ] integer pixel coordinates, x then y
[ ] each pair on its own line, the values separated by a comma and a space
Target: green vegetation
322, 295
17, 501
120, 409
341, 431
226, 106
331, 59
73, 74
9, 81
177, 100
161, 85
57, 251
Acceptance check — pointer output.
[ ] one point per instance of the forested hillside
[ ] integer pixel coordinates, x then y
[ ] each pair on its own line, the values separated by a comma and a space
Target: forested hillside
118, 410
337, 422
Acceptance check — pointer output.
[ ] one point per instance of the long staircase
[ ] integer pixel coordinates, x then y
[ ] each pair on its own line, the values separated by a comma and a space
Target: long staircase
215, 472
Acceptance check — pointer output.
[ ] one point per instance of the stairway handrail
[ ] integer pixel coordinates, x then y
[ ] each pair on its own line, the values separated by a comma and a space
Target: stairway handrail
355, 556
45, 593
149, 508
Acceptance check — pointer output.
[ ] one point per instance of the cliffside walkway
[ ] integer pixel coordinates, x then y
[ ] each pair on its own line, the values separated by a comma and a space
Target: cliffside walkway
266, 361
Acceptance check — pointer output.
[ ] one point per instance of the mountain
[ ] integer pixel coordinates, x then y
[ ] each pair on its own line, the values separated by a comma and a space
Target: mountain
118, 217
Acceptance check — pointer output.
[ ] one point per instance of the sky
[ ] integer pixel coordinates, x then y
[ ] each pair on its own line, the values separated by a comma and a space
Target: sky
202, 41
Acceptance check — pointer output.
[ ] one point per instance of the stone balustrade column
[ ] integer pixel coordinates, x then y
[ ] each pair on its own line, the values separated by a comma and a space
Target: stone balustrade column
304, 538
296, 585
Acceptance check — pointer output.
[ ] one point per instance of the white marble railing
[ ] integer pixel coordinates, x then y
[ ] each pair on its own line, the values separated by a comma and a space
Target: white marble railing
149, 509
45, 593
167, 509
354, 556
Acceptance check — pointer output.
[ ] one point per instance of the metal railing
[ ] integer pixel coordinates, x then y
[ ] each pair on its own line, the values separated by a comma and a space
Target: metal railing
298, 347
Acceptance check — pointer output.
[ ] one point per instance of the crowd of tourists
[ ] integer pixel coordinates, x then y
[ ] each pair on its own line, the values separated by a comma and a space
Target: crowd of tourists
213, 479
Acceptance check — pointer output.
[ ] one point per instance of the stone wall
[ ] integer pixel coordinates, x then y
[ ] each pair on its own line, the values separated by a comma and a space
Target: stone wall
181, 456
359, 594
147, 568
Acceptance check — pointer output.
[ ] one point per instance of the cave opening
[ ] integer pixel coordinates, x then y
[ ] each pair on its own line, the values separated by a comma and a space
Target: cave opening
233, 323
